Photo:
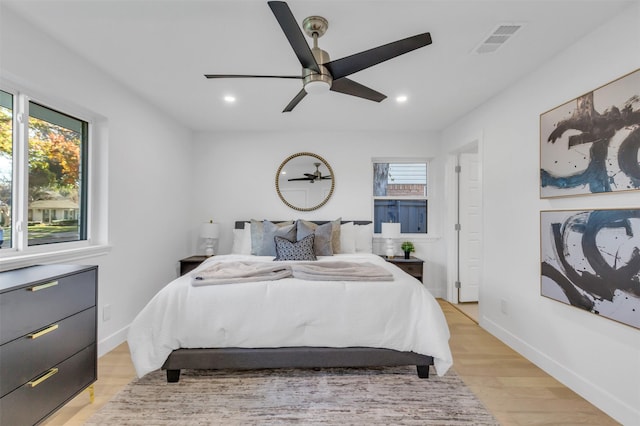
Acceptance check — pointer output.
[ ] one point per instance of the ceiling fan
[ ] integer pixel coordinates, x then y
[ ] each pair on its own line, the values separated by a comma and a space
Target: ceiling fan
312, 177
319, 74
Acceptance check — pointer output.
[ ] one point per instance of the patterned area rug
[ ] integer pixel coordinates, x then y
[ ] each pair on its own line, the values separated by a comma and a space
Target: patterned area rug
390, 396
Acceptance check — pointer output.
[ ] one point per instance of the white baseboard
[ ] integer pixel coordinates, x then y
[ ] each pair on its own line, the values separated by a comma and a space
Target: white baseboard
109, 343
601, 398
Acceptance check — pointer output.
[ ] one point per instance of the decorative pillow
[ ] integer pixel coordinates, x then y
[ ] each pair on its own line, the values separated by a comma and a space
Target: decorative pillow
241, 241
335, 236
238, 238
300, 250
272, 230
347, 238
246, 240
364, 238
257, 234
322, 236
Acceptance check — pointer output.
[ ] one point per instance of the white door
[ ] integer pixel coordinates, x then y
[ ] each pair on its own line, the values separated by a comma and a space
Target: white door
470, 247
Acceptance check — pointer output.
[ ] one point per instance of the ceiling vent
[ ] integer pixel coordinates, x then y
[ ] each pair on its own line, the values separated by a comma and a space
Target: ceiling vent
497, 38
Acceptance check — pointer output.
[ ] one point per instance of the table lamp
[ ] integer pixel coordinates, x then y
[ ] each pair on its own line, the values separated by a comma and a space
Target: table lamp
390, 231
209, 231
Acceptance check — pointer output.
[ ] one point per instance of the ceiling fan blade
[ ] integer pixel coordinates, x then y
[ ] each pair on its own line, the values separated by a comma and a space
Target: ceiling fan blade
299, 179
299, 77
350, 87
294, 34
301, 94
359, 61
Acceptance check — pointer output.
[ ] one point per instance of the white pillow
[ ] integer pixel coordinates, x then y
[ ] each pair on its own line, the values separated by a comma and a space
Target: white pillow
238, 236
347, 238
241, 241
364, 238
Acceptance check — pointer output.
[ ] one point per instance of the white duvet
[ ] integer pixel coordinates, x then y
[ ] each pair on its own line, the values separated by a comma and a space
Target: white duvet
399, 314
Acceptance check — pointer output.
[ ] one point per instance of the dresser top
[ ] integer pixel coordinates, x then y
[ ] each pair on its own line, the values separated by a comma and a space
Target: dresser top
16, 278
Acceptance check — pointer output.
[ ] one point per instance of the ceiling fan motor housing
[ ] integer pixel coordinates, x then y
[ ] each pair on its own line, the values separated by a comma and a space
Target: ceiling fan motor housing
314, 82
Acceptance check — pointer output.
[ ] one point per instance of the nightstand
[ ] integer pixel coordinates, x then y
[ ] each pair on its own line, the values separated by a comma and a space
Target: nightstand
190, 263
412, 266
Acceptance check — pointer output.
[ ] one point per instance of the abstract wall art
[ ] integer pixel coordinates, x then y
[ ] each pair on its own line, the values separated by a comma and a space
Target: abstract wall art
592, 143
590, 259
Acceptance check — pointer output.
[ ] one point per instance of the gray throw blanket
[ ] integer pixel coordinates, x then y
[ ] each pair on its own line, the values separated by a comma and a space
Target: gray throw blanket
244, 271
240, 272
340, 271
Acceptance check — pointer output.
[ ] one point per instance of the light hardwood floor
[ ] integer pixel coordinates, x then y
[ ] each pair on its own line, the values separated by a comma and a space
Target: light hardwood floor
472, 310
513, 389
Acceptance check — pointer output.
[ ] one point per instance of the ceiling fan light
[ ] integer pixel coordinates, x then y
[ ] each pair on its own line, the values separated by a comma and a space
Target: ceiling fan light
317, 87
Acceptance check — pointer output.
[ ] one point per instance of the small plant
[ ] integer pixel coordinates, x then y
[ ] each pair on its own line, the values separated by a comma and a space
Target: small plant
408, 247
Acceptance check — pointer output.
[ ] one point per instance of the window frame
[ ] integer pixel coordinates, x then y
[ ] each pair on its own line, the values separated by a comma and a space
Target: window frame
96, 201
407, 160
84, 168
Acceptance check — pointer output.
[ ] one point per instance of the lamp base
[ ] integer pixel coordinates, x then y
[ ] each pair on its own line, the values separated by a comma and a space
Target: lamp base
390, 251
208, 252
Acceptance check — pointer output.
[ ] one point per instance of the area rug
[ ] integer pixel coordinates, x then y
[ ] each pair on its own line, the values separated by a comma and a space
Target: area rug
346, 396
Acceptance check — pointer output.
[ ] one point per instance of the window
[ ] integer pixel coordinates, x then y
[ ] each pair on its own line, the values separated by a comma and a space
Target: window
6, 167
57, 145
43, 174
400, 195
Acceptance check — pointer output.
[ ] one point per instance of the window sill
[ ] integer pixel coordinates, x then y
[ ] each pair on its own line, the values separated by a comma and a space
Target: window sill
412, 237
60, 256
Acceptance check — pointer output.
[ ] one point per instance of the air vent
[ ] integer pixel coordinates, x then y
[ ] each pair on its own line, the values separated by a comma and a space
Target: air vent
497, 38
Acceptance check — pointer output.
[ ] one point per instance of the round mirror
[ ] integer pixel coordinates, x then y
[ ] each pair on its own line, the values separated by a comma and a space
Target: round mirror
305, 181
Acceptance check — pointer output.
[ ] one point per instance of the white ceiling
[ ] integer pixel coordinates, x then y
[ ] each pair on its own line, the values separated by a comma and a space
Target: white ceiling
161, 49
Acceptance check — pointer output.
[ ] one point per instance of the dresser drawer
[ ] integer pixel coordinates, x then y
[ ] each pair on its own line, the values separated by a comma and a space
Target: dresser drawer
41, 303
26, 357
413, 269
29, 404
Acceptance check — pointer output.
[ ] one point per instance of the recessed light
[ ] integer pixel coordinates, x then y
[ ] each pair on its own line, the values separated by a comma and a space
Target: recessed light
229, 99
401, 99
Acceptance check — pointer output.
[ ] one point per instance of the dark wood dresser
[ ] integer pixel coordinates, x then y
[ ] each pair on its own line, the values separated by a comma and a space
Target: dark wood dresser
188, 264
412, 266
48, 339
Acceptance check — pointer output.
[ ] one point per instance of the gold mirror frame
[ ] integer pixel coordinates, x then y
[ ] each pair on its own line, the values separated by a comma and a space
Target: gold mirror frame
324, 163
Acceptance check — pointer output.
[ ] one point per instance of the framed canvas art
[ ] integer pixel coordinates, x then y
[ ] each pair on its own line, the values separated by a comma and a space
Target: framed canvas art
591, 144
590, 259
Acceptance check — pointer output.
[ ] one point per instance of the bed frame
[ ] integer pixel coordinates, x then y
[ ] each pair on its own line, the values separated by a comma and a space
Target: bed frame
292, 357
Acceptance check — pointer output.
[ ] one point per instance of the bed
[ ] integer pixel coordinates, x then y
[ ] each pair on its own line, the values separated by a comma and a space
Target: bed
291, 322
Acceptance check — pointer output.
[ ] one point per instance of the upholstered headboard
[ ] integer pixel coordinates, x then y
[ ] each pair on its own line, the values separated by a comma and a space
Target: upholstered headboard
239, 224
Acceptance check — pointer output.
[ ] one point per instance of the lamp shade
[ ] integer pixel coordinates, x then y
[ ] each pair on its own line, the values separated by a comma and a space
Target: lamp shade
390, 230
210, 230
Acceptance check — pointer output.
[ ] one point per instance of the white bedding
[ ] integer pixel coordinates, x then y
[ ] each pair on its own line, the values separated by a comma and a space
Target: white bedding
399, 314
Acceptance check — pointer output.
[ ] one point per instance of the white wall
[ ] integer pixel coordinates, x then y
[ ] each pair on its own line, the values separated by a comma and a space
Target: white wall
235, 180
596, 357
160, 189
147, 158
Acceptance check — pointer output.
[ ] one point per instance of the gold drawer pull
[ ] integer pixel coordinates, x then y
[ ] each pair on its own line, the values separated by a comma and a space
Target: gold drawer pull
43, 286
42, 378
42, 332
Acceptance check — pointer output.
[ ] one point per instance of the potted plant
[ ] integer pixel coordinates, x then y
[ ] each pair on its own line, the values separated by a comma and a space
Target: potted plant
407, 248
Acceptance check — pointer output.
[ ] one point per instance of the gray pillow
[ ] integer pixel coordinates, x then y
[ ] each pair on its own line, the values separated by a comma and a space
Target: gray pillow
335, 238
299, 250
272, 230
257, 234
322, 242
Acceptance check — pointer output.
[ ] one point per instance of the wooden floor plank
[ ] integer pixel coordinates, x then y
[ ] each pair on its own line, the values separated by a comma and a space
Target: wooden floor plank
513, 389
